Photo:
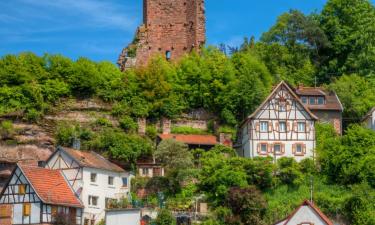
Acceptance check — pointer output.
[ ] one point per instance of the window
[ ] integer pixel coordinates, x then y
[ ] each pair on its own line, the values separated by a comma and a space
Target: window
110, 180
93, 177
26, 209
124, 181
93, 200
282, 126
282, 106
299, 148
168, 55
21, 189
277, 148
304, 100
320, 100
145, 171
263, 148
312, 101
264, 126
301, 127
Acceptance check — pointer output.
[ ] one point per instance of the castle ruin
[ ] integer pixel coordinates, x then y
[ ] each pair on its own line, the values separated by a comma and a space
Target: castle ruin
170, 28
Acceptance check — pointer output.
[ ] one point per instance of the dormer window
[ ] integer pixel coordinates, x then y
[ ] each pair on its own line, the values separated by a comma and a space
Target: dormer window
312, 101
304, 99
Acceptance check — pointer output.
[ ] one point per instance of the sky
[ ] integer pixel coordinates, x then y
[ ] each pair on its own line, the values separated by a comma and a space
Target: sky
99, 29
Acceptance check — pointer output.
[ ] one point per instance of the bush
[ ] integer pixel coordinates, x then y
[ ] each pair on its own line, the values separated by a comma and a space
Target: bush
289, 171
187, 130
6, 129
151, 132
165, 217
103, 122
128, 124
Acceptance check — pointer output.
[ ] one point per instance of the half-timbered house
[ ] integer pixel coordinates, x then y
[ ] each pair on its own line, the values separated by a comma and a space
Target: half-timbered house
40, 196
281, 127
94, 179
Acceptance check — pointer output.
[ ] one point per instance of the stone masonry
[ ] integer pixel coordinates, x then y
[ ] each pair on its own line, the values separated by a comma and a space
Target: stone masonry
171, 28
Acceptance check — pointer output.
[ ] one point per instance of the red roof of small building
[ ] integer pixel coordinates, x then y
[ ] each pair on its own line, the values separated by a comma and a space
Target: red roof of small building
316, 209
192, 139
92, 160
50, 186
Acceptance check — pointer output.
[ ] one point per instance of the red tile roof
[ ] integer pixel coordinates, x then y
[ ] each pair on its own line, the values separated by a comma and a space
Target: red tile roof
311, 205
92, 160
50, 186
192, 139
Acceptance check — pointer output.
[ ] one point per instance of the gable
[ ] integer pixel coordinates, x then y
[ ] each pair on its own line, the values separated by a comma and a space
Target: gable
306, 214
283, 103
11, 193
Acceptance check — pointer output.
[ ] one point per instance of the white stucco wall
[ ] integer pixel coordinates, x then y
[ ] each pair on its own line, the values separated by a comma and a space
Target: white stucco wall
102, 190
306, 214
122, 217
370, 121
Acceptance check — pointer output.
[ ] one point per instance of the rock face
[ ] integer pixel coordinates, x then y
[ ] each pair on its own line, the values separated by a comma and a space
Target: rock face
170, 28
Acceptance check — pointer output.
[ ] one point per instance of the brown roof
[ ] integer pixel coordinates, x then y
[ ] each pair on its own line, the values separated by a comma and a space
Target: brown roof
332, 101
192, 139
50, 186
311, 205
91, 159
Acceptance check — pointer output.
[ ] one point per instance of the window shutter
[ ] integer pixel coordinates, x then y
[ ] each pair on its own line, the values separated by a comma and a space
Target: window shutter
288, 106
294, 148
270, 126
258, 148
277, 126
270, 148
26, 209
282, 148
257, 126
287, 126
295, 126
304, 148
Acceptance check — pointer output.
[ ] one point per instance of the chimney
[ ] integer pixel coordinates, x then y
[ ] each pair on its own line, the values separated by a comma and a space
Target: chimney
142, 126
166, 125
225, 139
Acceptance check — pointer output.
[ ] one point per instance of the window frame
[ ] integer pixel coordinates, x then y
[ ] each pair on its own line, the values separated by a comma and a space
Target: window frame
312, 103
261, 152
285, 127
111, 178
91, 202
261, 126
143, 172
273, 148
320, 98
95, 175
304, 100
127, 182
298, 127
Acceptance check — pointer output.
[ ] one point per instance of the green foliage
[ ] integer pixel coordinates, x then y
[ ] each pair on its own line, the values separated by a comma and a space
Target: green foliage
6, 129
289, 171
248, 204
128, 124
174, 155
151, 132
165, 217
187, 130
348, 159
359, 100
103, 122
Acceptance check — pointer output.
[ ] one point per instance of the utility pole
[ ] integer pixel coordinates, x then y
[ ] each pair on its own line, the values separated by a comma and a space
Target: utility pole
311, 188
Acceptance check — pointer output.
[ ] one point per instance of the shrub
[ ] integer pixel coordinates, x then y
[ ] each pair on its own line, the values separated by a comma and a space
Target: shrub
187, 130
151, 132
104, 122
165, 217
6, 129
128, 124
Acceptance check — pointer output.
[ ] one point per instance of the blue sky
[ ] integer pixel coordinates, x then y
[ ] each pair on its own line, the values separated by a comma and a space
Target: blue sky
99, 29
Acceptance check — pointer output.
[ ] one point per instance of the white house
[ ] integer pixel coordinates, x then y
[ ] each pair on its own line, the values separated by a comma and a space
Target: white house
281, 127
306, 214
38, 196
94, 179
369, 119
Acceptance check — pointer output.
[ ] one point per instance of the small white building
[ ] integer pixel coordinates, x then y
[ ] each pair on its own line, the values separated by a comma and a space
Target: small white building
94, 179
369, 119
123, 216
38, 196
282, 126
306, 214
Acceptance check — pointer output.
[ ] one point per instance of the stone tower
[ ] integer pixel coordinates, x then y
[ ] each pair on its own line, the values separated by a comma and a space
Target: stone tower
170, 28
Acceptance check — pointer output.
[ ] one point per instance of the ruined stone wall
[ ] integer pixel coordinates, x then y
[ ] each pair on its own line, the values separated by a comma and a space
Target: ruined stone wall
175, 27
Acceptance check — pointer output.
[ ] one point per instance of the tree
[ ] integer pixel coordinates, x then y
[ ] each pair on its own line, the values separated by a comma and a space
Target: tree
359, 100
248, 204
349, 26
174, 155
289, 171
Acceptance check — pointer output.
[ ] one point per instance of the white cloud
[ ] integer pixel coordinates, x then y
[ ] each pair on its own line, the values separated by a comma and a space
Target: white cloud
91, 12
